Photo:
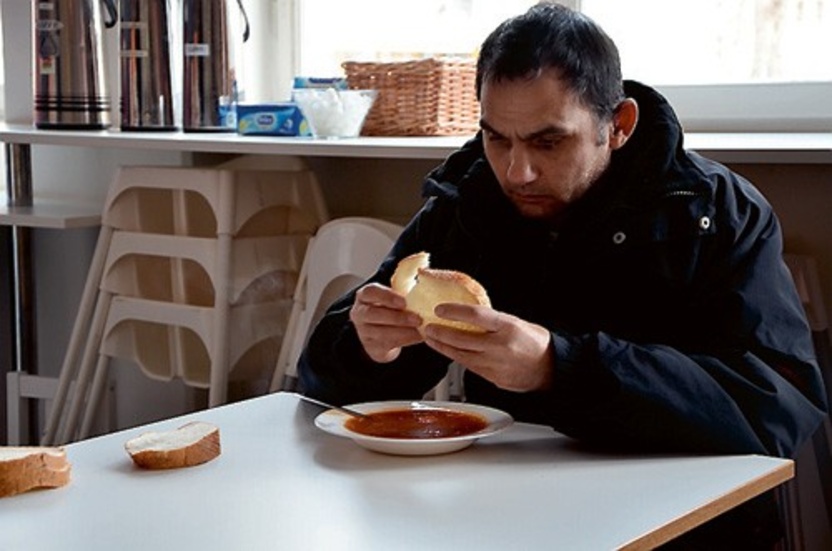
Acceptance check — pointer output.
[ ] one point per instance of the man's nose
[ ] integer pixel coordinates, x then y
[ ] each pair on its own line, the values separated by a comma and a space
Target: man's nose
520, 168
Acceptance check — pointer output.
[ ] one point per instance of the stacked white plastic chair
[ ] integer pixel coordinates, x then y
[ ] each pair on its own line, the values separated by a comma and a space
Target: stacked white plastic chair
344, 253
192, 279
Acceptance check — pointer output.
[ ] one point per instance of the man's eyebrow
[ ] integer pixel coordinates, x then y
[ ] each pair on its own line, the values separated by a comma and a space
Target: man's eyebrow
549, 130
488, 128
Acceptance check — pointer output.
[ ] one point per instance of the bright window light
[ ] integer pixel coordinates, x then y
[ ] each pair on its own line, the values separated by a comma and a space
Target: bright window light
333, 31
719, 41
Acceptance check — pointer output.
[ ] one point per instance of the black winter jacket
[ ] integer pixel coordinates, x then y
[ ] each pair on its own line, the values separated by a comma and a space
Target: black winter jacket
675, 322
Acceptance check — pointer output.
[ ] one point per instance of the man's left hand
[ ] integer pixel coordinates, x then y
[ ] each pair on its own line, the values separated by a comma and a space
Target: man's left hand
512, 353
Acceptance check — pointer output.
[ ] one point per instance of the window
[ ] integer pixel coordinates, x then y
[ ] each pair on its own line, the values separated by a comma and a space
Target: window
396, 30
729, 64
719, 41
724, 64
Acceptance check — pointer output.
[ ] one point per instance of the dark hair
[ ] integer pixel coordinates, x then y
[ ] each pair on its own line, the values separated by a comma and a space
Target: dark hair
550, 35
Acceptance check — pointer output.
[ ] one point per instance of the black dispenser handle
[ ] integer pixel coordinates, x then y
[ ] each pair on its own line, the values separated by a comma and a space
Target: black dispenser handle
247, 29
112, 13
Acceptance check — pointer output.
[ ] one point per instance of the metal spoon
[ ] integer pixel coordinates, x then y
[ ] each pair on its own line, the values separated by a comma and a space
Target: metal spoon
343, 409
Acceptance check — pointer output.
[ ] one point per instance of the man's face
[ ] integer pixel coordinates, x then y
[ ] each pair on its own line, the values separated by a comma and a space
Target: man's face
544, 145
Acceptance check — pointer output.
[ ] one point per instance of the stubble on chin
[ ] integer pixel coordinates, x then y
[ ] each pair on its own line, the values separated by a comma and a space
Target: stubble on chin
548, 211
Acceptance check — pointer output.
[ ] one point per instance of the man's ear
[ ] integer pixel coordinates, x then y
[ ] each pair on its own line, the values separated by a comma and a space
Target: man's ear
624, 122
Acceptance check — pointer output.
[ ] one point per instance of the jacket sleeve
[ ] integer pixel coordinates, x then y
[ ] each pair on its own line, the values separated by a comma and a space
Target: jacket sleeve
748, 383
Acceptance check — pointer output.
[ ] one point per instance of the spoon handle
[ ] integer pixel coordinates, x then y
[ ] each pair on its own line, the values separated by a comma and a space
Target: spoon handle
343, 409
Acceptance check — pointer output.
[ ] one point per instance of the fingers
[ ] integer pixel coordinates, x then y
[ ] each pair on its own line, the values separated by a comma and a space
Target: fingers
379, 305
481, 316
379, 295
453, 342
513, 354
382, 324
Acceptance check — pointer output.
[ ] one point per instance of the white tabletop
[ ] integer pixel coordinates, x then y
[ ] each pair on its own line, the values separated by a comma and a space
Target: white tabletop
282, 484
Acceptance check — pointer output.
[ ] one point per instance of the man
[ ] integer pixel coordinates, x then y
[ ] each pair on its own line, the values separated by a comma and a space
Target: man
640, 297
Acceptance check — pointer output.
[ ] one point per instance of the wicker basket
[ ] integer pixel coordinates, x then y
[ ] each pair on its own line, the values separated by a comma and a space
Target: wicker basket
426, 97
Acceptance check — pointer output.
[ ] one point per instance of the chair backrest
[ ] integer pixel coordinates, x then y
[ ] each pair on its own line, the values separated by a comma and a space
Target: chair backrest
346, 252
343, 254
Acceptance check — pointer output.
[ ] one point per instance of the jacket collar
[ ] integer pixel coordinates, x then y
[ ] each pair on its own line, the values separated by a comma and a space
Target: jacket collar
651, 165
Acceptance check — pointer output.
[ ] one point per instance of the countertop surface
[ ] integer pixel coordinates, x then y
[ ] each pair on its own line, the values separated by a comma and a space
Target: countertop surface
784, 147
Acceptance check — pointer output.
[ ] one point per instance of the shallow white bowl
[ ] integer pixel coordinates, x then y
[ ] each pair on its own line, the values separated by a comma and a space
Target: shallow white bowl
333, 422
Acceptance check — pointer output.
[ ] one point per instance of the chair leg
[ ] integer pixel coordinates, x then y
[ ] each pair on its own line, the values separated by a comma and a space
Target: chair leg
99, 383
220, 356
442, 391
278, 378
79, 329
85, 371
788, 500
820, 442
284, 376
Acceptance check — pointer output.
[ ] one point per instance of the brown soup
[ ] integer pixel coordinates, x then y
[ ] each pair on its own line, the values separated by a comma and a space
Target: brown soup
417, 423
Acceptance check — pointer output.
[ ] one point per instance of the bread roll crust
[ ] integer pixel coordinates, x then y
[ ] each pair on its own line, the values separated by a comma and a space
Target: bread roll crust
26, 468
189, 445
407, 271
424, 288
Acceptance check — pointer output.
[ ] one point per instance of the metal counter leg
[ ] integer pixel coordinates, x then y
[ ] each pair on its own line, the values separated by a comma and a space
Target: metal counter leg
19, 193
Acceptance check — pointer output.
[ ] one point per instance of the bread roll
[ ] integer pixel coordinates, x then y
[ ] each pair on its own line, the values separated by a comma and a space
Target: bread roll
28, 467
189, 445
424, 288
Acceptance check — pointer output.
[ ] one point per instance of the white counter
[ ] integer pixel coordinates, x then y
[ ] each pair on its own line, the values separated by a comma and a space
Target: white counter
797, 147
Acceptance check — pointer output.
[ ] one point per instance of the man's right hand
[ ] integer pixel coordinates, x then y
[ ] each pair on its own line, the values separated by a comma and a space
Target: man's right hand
382, 323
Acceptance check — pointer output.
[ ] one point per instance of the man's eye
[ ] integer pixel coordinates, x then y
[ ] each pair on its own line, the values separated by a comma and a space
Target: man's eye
546, 143
496, 139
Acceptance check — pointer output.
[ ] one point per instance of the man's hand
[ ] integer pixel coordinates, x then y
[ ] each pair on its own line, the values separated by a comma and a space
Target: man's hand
382, 323
513, 354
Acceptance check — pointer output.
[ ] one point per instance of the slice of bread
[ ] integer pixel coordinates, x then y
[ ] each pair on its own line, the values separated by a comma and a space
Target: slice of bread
424, 288
191, 444
25, 468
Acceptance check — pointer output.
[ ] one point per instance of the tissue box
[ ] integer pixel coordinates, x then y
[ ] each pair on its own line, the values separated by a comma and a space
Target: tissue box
271, 119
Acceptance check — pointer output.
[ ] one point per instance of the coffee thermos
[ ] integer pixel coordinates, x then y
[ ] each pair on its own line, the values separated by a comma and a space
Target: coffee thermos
210, 45
70, 87
145, 65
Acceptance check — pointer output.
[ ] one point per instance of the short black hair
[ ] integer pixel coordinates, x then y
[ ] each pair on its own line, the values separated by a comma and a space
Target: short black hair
550, 35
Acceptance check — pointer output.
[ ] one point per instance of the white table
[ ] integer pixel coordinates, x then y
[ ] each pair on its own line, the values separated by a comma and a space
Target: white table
282, 484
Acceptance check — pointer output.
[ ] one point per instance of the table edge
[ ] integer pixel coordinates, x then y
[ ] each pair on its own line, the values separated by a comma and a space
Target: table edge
675, 528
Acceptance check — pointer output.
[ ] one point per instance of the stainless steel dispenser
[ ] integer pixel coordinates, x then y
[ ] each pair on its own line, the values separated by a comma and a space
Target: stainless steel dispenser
70, 84
146, 97
210, 43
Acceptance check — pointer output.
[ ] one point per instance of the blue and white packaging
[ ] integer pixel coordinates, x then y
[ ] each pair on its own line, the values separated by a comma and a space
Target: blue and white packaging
271, 119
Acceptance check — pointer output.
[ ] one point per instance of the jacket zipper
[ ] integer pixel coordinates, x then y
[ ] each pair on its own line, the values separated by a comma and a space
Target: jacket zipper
681, 193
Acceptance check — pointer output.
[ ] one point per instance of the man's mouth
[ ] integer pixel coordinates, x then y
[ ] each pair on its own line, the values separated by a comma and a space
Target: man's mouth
530, 197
